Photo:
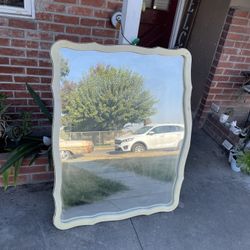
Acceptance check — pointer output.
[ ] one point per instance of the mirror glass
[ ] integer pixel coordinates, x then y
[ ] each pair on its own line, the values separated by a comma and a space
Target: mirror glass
122, 128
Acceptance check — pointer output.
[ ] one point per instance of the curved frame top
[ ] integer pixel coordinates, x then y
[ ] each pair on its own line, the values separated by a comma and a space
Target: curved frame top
87, 220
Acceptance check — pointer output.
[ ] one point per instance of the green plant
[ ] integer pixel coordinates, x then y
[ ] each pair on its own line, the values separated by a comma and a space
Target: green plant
25, 145
243, 159
3, 117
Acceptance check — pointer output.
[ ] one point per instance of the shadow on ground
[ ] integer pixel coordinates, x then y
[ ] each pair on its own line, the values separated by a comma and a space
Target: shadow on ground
213, 214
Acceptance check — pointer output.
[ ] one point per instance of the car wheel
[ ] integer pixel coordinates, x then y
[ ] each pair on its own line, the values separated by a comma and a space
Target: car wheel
138, 147
65, 154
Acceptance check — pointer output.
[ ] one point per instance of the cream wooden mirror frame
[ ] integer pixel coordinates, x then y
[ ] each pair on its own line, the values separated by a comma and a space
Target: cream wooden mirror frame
79, 219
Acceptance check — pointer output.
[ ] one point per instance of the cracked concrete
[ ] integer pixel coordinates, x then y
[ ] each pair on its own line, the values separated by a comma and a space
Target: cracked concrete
213, 214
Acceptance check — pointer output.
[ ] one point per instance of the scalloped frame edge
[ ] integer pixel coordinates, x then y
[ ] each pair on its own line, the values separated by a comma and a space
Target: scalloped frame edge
91, 220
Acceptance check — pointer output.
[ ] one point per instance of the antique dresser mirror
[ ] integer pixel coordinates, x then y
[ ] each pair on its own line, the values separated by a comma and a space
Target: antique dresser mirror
121, 131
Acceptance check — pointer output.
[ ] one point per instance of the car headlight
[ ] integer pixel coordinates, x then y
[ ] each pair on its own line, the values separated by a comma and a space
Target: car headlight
127, 140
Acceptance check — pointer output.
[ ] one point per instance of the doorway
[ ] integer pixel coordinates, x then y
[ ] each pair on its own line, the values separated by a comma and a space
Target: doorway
156, 23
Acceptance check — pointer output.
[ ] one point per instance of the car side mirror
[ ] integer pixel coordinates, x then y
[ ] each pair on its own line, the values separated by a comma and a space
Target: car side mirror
151, 133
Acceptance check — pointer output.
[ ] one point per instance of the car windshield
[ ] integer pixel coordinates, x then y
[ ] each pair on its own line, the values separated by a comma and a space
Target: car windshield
142, 130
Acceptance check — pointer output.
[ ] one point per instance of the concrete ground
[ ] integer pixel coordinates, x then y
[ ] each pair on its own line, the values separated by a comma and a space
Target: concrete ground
213, 214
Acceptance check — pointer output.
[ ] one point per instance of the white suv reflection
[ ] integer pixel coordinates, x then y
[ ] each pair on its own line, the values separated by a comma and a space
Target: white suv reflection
158, 136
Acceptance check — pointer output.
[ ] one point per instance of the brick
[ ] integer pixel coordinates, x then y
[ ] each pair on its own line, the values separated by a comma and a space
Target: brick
24, 62
67, 37
92, 22
27, 109
81, 11
224, 85
216, 71
221, 78
231, 72
12, 70
109, 41
20, 179
240, 29
229, 91
45, 63
5, 78
22, 94
51, 27
245, 52
225, 65
54, 8
45, 45
239, 21
78, 30
24, 44
46, 80
11, 52
32, 169
4, 42
39, 71
232, 51
46, 95
241, 66
103, 33
15, 102
65, 1
66, 19
103, 14
222, 97
91, 39
94, 3
237, 37
228, 43
114, 5
24, 24
42, 177
36, 53
28, 79
240, 13
38, 35
11, 33
216, 91
236, 59
13, 86
4, 21
4, 60
41, 87
44, 16
236, 78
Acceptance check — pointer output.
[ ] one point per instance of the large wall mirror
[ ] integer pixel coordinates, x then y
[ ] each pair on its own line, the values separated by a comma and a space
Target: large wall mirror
121, 131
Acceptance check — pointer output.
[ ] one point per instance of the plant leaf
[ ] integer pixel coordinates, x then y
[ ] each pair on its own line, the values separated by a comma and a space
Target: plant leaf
34, 157
6, 179
17, 166
20, 152
39, 102
4, 109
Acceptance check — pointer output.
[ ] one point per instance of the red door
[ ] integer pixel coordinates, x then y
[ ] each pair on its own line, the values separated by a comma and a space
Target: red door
156, 23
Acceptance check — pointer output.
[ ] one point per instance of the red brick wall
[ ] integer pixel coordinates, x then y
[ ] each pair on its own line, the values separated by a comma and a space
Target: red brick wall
225, 80
25, 46
38, 172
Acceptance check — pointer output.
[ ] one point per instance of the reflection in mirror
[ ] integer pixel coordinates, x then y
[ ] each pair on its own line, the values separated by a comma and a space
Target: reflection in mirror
121, 132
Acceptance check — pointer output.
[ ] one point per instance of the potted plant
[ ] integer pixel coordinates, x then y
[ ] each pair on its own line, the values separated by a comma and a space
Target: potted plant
18, 140
226, 114
243, 160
